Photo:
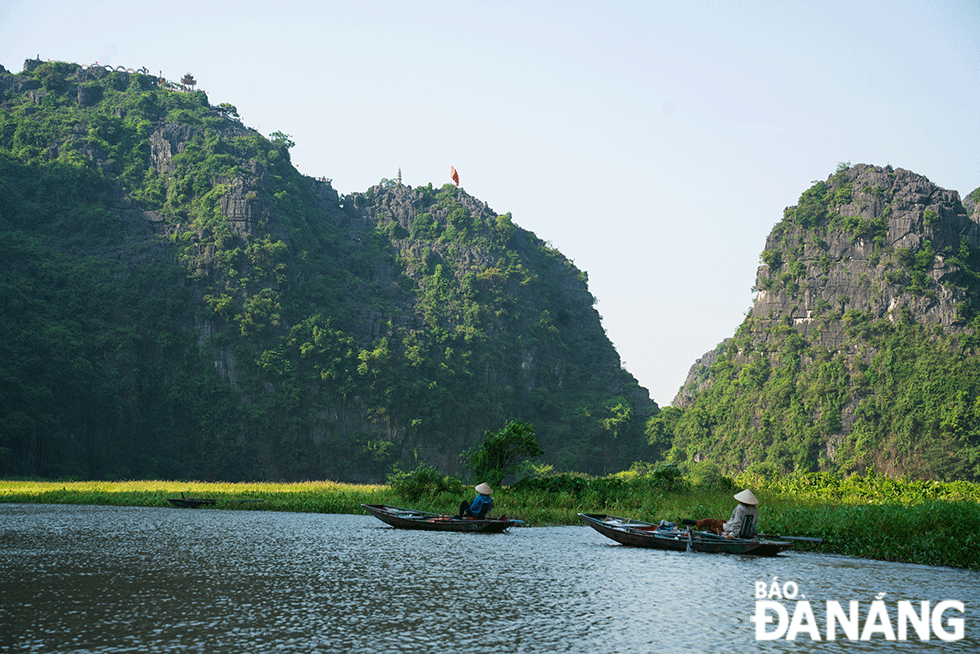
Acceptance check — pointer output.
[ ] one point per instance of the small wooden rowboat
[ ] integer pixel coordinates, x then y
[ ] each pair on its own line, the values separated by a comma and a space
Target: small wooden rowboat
191, 502
411, 519
645, 534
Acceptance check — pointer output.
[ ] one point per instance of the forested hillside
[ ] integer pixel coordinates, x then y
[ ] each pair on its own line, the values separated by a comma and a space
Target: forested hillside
861, 349
177, 301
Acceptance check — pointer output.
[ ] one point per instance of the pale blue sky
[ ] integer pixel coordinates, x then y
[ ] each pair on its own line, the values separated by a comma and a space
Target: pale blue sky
654, 143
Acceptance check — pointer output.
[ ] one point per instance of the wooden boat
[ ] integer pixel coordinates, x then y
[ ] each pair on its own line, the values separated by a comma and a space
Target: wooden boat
645, 534
195, 502
191, 502
411, 519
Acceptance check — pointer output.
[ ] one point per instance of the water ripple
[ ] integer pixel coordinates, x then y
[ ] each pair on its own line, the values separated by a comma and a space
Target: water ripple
123, 579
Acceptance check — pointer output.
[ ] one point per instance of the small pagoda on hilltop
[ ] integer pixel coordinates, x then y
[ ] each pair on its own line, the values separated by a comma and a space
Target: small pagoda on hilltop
188, 80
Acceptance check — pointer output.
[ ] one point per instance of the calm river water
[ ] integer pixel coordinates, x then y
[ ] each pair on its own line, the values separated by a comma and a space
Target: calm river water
124, 579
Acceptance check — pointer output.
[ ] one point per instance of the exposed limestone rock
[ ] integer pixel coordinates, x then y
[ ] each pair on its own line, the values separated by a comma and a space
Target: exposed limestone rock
859, 257
698, 376
89, 95
166, 141
245, 206
841, 271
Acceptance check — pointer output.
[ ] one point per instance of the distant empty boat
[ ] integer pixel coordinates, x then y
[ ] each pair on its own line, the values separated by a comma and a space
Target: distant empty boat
191, 502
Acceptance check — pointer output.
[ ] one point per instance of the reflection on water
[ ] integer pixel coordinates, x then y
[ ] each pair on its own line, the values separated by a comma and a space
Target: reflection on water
125, 579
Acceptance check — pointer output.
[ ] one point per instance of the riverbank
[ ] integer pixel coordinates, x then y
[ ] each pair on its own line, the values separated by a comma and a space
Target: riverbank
942, 527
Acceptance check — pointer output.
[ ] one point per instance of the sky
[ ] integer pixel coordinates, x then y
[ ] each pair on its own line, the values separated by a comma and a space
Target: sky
655, 144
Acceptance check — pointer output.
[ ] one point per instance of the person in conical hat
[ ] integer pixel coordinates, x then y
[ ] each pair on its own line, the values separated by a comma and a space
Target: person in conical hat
480, 506
742, 524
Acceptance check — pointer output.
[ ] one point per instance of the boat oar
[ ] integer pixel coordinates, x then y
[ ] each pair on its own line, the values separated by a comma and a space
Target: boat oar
803, 539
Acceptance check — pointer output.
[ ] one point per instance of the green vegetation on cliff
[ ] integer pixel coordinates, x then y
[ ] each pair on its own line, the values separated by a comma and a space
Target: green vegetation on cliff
860, 352
179, 302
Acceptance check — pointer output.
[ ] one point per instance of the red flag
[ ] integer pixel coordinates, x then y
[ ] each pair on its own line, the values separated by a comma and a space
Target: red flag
454, 175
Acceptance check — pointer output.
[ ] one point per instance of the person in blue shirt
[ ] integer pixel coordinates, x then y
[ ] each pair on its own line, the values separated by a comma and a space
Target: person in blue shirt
480, 506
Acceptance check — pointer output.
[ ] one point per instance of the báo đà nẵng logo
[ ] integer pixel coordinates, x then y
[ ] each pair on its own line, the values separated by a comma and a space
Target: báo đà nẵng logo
781, 611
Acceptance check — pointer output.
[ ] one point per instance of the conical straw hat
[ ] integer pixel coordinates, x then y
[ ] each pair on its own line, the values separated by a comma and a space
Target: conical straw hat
483, 489
747, 497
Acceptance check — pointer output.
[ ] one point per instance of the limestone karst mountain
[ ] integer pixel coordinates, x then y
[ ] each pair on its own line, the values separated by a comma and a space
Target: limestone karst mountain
178, 301
860, 350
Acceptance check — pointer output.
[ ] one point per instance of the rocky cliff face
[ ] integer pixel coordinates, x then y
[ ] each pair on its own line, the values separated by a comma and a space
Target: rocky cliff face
860, 262
523, 288
858, 254
248, 322
870, 246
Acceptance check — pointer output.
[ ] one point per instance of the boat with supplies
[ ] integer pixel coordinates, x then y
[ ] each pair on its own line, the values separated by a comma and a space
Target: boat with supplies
410, 519
667, 536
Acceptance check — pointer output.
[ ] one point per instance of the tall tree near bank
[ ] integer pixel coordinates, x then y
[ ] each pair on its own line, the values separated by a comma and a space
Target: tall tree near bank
503, 453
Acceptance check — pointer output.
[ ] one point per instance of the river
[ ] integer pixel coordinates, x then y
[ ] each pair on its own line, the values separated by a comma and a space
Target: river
102, 579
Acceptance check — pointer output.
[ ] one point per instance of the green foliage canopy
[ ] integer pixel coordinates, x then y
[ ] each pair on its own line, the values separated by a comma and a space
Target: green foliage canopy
502, 453
198, 309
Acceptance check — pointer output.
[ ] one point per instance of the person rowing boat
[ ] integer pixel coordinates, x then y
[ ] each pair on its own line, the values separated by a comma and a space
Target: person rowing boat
480, 506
